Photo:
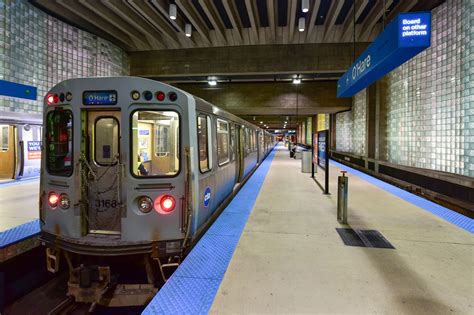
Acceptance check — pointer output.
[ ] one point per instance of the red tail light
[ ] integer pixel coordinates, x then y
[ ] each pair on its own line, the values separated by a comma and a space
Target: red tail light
50, 99
53, 199
165, 204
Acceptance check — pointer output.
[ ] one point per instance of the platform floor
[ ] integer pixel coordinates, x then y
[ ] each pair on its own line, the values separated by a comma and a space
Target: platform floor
18, 203
290, 258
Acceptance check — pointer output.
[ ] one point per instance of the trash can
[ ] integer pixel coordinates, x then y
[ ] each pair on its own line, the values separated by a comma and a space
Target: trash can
306, 161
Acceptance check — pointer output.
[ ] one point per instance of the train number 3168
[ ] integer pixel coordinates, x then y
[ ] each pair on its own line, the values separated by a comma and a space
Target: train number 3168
105, 203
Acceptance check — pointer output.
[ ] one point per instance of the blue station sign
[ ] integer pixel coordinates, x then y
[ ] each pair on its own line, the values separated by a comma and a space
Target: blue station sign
405, 37
18, 90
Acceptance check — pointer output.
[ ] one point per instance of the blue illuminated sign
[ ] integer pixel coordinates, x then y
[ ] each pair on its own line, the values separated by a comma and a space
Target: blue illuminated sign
405, 37
99, 97
18, 90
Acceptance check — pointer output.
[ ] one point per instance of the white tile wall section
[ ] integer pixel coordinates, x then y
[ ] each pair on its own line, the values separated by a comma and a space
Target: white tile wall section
351, 127
37, 49
430, 109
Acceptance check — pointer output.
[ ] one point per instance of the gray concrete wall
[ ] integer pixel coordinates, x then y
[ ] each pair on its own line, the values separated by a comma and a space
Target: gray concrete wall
272, 98
259, 59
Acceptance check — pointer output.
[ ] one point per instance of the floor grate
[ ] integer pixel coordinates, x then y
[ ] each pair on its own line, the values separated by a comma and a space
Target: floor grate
363, 238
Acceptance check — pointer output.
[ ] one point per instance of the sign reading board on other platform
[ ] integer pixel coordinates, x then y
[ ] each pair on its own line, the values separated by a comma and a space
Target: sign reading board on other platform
405, 37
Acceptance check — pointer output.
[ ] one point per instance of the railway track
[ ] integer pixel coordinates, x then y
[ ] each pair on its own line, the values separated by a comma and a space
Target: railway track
51, 299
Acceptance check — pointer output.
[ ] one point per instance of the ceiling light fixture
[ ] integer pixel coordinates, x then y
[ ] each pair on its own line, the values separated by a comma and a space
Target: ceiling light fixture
301, 24
172, 11
305, 6
297, 79
188, 29
211, 81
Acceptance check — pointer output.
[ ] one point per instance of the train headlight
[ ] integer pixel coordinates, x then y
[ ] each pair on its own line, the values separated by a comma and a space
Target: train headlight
68, 96
145, 204
64, 201
53, 199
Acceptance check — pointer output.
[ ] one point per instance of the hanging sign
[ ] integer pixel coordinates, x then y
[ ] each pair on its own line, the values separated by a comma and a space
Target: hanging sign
18, 90
405, 37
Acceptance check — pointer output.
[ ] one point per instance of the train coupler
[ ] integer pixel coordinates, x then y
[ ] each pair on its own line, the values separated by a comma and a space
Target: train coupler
52, 259
96, 285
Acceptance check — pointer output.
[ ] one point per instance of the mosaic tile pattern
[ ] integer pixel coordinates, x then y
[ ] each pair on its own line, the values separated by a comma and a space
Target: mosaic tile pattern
351, 127
430, 101
430, 112
39, 50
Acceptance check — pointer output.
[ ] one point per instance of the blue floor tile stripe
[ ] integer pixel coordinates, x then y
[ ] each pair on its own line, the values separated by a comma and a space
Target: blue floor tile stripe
449, 215
194, 285
19, 233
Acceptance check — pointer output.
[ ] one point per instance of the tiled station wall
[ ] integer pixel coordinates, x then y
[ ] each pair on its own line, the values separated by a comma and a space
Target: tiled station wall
429, 108
39, 50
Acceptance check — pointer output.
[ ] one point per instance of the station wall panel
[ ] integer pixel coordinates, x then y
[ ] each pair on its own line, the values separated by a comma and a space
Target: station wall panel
426, 112
37, 49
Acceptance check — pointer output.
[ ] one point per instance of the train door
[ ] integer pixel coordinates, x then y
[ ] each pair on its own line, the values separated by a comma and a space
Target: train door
240, 154
7, 151
103, 180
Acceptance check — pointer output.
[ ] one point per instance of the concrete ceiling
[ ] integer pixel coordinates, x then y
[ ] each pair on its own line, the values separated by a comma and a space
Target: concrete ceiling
252, 47
140, 25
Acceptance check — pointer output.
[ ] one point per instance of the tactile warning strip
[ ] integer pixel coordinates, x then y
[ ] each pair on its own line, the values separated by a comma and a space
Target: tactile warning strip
19, 233
449, 215
193, 286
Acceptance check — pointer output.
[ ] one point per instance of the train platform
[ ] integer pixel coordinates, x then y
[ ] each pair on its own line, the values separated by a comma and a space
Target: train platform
275, 249
18, 203
19, 224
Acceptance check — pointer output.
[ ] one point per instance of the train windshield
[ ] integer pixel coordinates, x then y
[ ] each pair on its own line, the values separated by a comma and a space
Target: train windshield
155, 143
59, 142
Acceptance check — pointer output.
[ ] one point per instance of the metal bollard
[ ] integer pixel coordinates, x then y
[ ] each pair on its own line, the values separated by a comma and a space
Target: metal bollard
342, 185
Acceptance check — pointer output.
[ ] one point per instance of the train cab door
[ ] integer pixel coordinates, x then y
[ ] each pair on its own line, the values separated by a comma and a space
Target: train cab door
7, 151
104, 171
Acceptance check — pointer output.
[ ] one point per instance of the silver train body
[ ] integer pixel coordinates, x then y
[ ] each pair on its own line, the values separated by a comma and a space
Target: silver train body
135, 166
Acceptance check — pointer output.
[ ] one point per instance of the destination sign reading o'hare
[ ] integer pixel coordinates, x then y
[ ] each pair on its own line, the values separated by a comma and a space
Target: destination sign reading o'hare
99, 98
405, 37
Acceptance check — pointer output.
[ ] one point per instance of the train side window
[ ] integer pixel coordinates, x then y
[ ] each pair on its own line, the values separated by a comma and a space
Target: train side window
106, 141
4, 134
203, 129
222, 141
232, 142
246, 142
155, 143
59, 142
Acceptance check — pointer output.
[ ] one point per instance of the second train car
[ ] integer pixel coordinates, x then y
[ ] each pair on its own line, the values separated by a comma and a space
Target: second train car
135, 167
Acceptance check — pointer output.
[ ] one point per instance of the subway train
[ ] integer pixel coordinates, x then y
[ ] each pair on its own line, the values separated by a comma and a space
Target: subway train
135, 168
20, 145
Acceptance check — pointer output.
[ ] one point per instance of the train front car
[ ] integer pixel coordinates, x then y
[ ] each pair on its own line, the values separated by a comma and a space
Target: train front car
114, 183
